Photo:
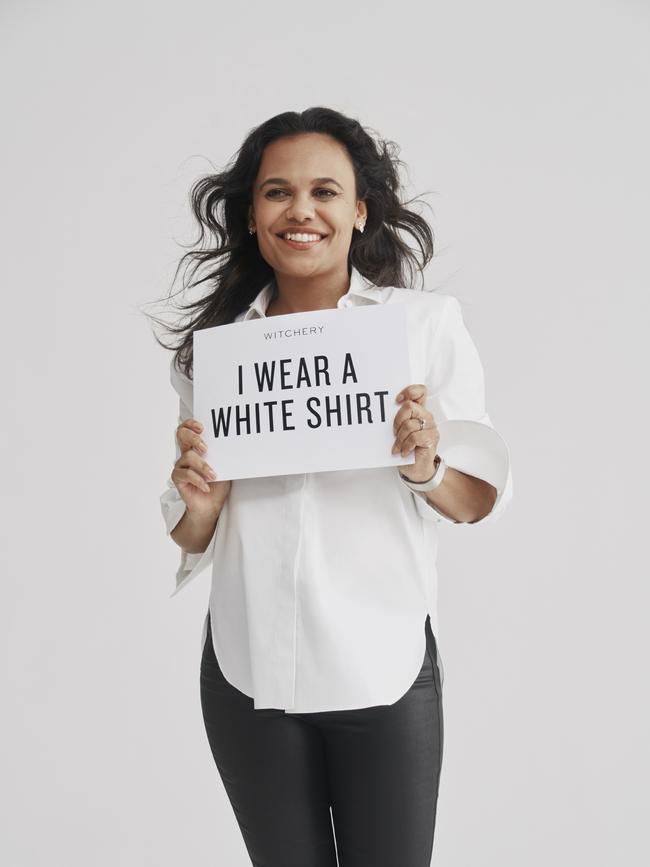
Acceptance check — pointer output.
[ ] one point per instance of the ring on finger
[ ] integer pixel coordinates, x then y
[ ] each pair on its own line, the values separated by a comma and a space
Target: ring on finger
420, 418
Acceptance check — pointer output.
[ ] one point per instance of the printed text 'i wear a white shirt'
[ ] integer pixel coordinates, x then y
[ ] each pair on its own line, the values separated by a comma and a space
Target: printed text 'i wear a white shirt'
321, 582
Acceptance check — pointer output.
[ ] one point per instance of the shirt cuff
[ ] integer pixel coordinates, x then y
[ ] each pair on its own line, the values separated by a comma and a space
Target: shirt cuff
173, 508
426, 509
479, 450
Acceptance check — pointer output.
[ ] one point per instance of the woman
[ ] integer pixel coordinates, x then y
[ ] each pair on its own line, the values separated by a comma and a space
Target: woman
321, 681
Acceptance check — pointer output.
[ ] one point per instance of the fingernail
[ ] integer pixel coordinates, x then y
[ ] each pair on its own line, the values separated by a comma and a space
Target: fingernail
212, 475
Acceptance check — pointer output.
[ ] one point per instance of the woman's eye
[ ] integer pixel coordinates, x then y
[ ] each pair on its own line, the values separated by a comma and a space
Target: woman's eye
330, 193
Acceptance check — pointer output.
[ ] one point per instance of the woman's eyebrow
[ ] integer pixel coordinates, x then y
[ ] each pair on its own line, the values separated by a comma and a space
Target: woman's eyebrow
285, 181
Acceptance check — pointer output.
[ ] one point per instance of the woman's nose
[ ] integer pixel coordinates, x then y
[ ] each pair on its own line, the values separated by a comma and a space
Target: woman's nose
300, 208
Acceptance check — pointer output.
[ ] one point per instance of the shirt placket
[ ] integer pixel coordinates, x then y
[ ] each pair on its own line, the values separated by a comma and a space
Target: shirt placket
282, 669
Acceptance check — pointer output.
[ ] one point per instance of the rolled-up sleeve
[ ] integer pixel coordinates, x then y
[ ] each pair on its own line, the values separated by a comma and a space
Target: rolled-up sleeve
172, 504
456, 399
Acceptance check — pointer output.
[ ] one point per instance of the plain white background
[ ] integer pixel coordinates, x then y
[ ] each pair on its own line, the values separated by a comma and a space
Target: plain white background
528, 124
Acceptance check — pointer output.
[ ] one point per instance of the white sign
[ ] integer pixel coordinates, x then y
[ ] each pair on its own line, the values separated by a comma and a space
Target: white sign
302, 392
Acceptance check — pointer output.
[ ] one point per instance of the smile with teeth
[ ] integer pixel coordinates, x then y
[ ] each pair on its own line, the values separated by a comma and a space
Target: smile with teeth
302, 237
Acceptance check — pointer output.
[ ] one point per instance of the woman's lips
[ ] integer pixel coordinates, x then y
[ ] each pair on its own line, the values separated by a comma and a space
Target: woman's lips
301, 245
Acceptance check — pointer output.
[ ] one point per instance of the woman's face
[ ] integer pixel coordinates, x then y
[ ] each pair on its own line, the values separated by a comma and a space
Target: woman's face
305, 184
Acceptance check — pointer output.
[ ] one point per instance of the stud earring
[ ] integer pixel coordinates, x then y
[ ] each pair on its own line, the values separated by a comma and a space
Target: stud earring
251, 230
360, 227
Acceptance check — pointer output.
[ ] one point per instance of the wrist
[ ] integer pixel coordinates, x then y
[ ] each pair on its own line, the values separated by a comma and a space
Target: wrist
430, 477
431, 483
199, 517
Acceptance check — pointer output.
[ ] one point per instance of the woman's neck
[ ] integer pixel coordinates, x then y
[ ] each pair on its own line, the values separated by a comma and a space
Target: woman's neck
299, 295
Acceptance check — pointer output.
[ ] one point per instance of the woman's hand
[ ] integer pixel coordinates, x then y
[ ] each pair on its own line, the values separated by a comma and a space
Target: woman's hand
409, 436
191, 473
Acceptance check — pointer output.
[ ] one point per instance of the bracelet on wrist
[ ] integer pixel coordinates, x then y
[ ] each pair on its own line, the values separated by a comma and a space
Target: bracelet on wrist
428, 484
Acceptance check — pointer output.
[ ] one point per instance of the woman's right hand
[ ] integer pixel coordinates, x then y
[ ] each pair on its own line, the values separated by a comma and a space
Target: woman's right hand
191, 473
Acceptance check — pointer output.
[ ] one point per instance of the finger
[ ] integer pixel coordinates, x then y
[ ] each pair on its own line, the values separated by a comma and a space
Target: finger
412, 423
192, 460
425, 438
421, 438
192, 424
416, 392
191, 477
188, 439
411, 409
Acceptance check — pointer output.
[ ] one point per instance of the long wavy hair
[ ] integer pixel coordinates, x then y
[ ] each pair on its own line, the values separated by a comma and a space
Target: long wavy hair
227, 258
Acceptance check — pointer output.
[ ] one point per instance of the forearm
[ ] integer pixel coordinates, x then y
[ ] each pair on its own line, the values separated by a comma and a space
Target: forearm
194, 531
463, 498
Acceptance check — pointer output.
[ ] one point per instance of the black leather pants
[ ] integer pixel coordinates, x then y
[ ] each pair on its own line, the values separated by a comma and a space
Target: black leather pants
378, 768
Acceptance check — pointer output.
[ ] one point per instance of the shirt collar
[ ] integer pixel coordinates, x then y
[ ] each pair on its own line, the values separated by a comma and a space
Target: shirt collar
360, 288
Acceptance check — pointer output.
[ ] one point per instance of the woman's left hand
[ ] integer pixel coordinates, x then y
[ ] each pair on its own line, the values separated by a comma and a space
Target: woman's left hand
410, 435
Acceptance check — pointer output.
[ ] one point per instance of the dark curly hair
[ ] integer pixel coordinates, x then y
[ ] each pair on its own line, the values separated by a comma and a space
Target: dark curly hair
227, 257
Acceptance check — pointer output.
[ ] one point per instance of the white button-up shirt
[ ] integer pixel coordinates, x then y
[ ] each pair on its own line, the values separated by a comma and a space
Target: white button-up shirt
321, 582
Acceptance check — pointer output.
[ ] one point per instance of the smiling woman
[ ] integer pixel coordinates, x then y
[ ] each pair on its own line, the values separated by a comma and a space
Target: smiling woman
312, 215
296, 176
320, 678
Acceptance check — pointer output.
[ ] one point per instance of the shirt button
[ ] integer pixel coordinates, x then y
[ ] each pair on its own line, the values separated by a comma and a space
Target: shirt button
346, 302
